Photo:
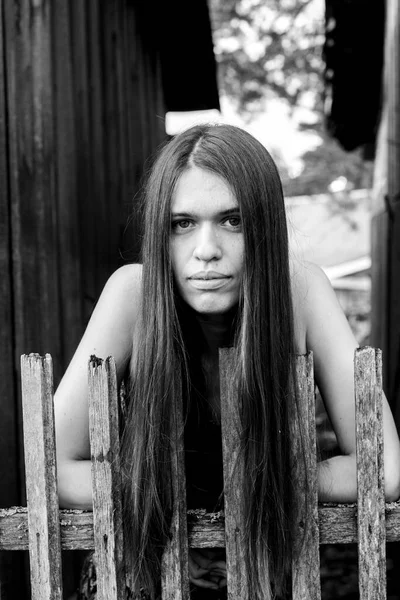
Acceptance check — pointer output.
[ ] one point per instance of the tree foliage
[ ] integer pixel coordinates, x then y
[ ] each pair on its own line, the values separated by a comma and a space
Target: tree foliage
274, 48
268, 47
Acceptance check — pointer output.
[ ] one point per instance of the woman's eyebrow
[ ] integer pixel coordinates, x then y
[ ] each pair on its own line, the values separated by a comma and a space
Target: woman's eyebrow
221, 213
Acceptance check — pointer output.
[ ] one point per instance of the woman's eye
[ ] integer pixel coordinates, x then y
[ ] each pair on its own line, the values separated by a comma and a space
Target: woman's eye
183, 224
234, 222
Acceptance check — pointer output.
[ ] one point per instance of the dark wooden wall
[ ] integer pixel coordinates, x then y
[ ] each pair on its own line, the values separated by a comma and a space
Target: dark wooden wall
81, 109
386, 218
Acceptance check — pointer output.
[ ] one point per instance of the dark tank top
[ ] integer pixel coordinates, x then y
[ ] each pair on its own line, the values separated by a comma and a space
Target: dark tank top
203, 458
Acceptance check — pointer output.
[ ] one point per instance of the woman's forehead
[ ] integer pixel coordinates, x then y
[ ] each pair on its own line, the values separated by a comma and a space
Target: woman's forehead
198, 189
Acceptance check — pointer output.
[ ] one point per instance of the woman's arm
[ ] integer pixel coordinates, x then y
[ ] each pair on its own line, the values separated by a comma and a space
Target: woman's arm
109, 332
329, 336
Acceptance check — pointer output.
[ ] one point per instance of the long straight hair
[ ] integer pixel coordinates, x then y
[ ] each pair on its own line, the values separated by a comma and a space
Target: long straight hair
264, 359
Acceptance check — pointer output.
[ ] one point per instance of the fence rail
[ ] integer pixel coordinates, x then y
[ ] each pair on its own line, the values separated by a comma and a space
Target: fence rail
45, 530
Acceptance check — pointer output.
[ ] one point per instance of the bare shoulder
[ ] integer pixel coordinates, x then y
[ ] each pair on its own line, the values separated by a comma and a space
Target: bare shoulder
111, 327
124, 289
126, 279
314, 301
308, 279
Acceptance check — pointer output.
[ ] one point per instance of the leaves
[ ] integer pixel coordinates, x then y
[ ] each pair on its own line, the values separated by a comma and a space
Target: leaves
268, 46
274, 48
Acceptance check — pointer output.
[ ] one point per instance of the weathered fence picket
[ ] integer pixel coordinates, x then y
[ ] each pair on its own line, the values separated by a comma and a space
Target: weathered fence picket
305, 569
41, 477
175, 573
45, 530
370, 476
106, 479
233, 477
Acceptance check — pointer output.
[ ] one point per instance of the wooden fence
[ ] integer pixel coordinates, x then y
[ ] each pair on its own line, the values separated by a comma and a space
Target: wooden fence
46, 531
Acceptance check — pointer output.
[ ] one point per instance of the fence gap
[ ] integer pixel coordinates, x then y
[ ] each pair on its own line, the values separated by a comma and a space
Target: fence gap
41, 477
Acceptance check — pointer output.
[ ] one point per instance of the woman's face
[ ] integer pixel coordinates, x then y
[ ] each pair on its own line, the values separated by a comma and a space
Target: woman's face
207, 244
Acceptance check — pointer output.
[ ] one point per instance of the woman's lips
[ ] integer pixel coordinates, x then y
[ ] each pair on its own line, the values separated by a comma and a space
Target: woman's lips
208, 280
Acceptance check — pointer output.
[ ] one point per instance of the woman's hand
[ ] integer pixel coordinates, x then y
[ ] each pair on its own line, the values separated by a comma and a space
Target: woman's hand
207, 568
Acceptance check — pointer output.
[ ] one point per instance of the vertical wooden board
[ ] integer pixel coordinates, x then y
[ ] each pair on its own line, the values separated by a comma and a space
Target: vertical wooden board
235, 529
393, 382
136, 130
13, 571
66, 183
41, 476
379, 289
31, 154
174, 567
9, 480
42, 193
392, 94
392, 147
117, 125
305, 569
106, 479
121, 109
86, 199
370, 476
31, 196
98, 140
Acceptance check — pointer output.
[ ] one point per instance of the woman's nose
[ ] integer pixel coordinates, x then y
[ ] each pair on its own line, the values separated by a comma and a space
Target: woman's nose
207, 245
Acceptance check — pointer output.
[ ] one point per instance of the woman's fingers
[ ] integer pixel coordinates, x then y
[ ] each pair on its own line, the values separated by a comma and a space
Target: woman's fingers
218, 564
197, 572
207, 569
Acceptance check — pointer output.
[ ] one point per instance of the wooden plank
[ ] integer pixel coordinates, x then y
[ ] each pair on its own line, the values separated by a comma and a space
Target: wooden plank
305, 568
90, 254
106, 479
109, 230
100, 199
41, 477
379, 288
9, 480
11, 566
174, 567
392, 96
66, 185
370, 477
235, 524
337, 525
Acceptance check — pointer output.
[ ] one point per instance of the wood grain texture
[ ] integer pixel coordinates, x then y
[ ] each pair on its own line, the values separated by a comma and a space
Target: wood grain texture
67, 194
174, 567
41, 477
235, 529
370, 478
106, 479
392, 97
337, 525
305, 567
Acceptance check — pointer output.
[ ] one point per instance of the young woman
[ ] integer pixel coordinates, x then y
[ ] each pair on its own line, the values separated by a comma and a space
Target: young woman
216, 272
